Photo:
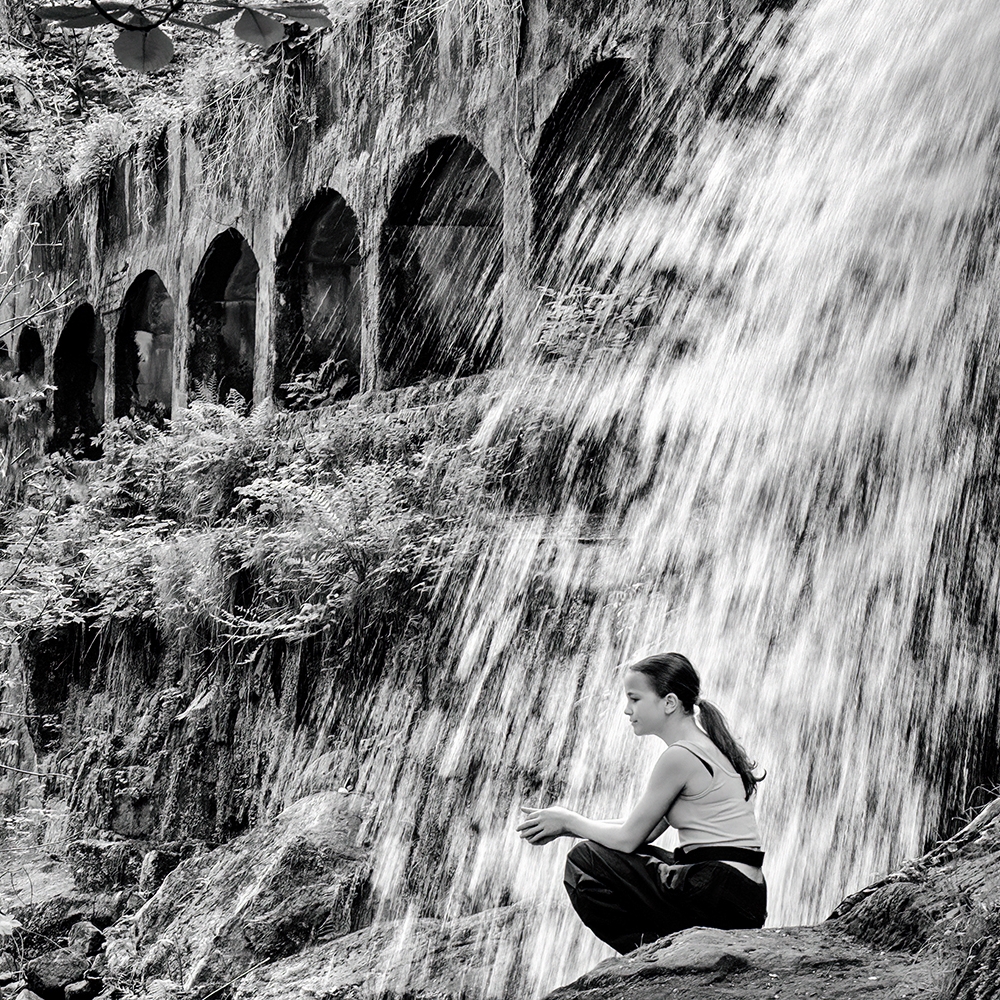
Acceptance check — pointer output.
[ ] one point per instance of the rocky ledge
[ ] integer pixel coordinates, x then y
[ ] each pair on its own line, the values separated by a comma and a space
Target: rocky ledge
284, 911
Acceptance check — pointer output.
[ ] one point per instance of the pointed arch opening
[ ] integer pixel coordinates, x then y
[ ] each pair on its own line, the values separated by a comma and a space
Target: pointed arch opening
441, 265
318, 328
78, 374
31, 354
606, 144
223, 315
144, 350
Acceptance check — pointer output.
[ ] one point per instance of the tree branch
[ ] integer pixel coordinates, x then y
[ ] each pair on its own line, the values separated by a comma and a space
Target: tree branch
174, 7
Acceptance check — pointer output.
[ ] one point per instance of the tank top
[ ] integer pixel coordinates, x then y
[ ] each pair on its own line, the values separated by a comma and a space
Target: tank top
721, 813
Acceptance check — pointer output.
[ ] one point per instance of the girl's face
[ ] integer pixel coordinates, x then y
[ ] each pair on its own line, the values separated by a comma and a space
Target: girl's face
643, 706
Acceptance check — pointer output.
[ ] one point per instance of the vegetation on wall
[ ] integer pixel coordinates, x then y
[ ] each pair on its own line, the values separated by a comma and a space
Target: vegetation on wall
209, 530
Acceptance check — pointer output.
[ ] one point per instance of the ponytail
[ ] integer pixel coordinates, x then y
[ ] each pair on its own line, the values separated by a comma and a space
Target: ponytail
672, 673
714, 724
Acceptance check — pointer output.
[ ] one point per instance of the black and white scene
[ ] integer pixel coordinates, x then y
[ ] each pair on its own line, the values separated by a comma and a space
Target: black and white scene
500, 499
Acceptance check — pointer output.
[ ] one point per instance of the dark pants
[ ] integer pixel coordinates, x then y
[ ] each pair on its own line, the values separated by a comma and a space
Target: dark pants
631, 899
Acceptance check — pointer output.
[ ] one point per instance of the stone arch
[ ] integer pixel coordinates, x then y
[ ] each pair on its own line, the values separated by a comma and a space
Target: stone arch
223, 315
78, 374
30, 354
441, 262
144, 346
318, 328
605, 143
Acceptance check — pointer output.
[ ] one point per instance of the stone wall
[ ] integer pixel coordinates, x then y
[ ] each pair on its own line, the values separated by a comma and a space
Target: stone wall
388, 205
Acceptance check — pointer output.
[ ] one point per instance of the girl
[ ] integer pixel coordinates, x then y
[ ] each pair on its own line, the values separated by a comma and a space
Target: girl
629, 892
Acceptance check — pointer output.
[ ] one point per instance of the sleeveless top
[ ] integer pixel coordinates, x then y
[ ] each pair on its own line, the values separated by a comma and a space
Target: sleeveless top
721, 813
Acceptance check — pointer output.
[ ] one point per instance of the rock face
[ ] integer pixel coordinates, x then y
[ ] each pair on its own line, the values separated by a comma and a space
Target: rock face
929, 930
258, 898
423, 959
282, 912
50, 974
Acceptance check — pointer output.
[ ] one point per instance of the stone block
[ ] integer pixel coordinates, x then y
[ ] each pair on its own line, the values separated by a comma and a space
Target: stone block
50, 973
84, 989
85, 938
156, 866
105, 864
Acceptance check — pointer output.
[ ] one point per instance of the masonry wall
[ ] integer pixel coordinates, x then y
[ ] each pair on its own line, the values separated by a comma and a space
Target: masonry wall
362, 107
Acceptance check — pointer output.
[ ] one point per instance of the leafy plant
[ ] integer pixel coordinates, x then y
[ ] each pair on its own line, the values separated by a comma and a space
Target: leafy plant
144, 46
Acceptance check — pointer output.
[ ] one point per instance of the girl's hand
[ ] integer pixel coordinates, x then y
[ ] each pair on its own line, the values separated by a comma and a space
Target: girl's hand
541, 826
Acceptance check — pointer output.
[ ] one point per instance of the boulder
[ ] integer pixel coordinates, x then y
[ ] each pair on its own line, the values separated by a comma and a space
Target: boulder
85, 989
85, 938
50, 973
423, 959
257, 898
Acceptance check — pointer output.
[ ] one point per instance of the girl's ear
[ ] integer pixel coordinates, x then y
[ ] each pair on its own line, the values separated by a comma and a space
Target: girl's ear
670, 702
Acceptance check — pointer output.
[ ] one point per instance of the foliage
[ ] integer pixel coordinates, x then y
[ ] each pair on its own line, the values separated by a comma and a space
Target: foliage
333, 381
144, 46
22, 429
210, 530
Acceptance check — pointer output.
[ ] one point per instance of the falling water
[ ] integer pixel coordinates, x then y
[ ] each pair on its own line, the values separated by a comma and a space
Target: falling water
793, 501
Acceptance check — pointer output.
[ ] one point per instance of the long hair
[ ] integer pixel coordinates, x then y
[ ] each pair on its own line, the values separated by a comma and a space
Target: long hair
672, 673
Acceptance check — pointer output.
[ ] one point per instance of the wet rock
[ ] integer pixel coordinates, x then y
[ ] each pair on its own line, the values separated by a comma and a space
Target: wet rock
85, 989
51, 919
898, 917
10, 968
105, 864
27, 994
50, 973
161, 989
85, 938
259, 897
156, 866
419, 959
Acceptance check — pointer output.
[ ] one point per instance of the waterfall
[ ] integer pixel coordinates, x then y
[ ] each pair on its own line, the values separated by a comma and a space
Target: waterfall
786, 478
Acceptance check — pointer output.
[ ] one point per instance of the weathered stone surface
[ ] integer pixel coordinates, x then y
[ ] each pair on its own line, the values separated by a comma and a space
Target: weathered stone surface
788, 962
425, 958
105, 864
10, 968
259, 897
160, 989
85, 938
49, 974
156, 866
27, 994
84, 989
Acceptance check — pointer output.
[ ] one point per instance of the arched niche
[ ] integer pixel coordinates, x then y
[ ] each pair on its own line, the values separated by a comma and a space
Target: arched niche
144, 347
78, 374
30, 354
318, 328
605, 144
441, 263
223, 314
